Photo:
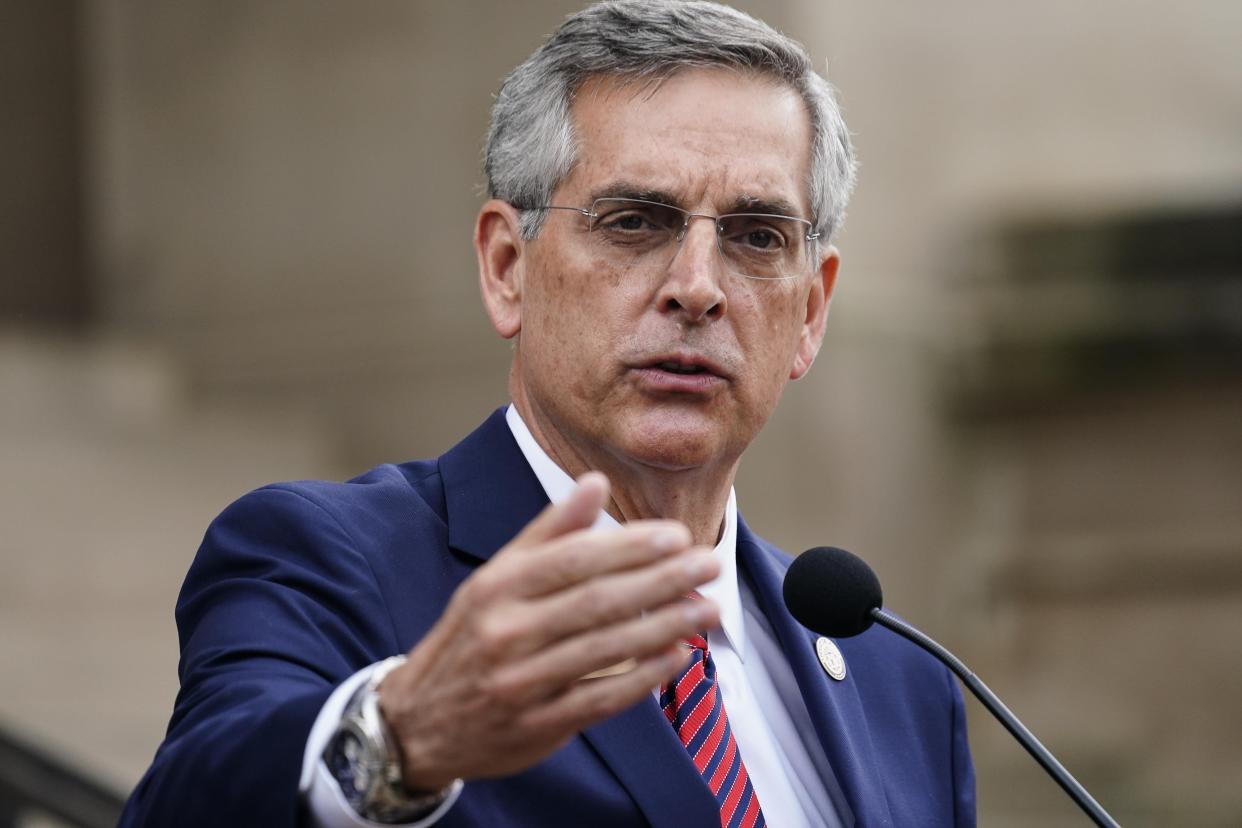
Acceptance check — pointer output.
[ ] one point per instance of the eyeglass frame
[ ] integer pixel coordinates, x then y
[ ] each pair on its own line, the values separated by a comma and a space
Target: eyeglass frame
811, 236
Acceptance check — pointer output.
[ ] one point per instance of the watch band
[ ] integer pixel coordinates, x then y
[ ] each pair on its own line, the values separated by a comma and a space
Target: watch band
364, 758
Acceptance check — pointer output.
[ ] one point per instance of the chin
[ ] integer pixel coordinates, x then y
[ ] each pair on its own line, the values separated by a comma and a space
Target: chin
673, 444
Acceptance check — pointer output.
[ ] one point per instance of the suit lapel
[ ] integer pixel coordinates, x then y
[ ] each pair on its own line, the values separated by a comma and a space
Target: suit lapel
641, 748
490, 493
835, 706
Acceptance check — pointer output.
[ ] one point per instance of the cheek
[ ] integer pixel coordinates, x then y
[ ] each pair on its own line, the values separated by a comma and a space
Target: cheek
769, 339
773, 334
574, 315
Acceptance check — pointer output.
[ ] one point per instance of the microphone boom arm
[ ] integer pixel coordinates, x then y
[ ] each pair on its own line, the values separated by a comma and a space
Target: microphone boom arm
998, 709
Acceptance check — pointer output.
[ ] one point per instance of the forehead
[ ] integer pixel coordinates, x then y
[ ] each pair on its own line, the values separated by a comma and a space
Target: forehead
711, 138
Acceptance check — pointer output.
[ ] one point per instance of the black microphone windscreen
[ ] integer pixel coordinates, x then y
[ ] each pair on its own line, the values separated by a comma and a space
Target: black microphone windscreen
832, 592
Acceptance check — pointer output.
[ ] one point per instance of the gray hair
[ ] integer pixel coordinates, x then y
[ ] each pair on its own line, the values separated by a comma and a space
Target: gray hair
531, 146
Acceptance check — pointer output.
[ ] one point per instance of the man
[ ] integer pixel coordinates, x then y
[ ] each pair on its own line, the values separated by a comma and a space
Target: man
665, 181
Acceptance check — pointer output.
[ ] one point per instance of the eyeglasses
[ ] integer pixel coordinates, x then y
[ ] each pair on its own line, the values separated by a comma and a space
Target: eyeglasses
634, 232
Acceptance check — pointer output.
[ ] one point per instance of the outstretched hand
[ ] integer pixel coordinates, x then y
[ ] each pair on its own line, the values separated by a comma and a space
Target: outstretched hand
501, 680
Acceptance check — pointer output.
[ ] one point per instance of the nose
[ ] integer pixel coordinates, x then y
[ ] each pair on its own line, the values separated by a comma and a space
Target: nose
692, 285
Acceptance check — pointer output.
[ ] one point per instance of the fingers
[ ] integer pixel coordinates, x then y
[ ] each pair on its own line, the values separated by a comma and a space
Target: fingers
548, 672
588, 702
604, 600
579, 511
577, 557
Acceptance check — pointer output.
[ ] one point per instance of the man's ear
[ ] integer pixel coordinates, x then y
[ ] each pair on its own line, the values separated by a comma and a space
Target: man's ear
816, 321
499, 246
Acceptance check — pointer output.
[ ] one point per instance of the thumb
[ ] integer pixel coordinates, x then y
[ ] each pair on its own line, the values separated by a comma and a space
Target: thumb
578, 511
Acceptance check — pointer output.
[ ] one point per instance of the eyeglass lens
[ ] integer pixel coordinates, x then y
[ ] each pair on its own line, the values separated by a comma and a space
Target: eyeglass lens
754, 245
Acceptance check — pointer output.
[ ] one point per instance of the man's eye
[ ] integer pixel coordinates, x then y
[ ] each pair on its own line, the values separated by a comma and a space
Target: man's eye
628, 221
762, 239
757, 236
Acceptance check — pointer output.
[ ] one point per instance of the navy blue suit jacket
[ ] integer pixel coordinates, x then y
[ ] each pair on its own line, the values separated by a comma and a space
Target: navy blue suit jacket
298, 585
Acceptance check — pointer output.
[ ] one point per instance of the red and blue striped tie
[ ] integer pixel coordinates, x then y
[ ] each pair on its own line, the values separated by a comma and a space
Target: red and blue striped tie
694, 706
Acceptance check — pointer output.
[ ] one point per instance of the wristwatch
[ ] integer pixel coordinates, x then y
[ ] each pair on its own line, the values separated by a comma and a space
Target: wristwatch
364, 759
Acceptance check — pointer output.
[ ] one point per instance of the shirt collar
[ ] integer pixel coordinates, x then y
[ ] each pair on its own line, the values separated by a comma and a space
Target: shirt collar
557, 485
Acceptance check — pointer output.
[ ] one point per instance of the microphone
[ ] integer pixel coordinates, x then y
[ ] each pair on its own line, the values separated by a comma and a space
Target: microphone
835, 593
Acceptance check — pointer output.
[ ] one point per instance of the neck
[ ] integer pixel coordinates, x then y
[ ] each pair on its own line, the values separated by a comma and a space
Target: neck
696, 497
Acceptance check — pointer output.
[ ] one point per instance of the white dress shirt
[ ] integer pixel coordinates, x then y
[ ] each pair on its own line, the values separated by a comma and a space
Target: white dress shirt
774, 733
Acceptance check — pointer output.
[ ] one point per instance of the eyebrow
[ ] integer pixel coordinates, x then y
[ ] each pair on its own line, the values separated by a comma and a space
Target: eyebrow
744, 204
625, 189
768, 206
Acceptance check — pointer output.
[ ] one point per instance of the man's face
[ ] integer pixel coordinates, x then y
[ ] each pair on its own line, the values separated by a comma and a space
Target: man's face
603, 344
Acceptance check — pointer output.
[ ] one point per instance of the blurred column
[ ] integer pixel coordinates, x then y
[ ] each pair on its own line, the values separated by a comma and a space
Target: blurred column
43, 276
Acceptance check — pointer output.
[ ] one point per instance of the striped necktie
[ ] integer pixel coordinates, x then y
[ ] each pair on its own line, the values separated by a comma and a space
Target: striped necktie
694, 707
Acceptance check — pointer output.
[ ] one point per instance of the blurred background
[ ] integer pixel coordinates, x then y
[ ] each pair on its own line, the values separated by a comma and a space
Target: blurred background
235, 248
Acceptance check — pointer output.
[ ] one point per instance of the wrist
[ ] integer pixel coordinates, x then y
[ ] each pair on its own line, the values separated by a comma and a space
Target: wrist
366, 760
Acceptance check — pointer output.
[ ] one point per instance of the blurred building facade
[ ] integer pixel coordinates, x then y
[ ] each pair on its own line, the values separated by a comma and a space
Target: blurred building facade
237, 249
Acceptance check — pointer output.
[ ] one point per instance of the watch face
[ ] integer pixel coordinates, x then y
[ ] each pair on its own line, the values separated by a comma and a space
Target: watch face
344, 760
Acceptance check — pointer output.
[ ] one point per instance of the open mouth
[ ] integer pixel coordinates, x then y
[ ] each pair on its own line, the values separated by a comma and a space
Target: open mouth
681, 373
681, 368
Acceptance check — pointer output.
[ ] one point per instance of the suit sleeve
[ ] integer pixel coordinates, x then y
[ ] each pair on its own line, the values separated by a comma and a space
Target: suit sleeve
278, 608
